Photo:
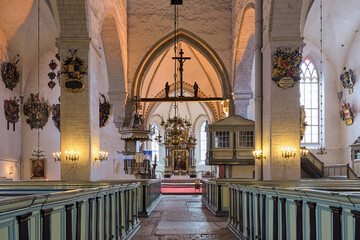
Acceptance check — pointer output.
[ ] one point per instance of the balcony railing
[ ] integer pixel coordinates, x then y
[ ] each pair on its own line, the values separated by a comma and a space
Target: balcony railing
340, 170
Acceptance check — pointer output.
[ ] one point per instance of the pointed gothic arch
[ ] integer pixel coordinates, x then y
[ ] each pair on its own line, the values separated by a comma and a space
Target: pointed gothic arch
164, 43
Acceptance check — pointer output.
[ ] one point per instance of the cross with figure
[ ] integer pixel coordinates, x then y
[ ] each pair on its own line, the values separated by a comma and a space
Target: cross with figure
181, 60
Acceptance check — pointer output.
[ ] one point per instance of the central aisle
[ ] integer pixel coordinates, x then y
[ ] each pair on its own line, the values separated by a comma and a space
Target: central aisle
183, 217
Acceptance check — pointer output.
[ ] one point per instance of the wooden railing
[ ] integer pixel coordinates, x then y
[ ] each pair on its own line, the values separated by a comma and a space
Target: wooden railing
87, 210
340, 170
215, 196
150, 195
317, 163
280, 212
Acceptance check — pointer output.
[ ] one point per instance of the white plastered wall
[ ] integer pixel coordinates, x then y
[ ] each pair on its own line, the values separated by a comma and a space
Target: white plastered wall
340, 43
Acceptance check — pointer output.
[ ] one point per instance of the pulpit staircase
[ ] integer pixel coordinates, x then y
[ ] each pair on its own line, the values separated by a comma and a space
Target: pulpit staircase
312, 167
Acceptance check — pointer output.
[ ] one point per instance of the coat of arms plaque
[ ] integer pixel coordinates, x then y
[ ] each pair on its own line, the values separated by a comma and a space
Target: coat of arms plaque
10, 74
347, 80
11, 109
74, 70
286, 66
346, 114
37, 111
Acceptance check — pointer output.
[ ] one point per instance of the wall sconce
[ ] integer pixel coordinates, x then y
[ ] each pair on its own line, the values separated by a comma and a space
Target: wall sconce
258, 154
72, 155
57, 156
103, 156
11, 170
288, 152
303, 152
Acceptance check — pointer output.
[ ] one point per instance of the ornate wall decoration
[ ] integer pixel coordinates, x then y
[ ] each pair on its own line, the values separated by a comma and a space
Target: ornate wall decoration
346, 114
10, 74
37, 111
347, 79
104, 110
55, 111
11, 108
52, 74
286, 67
74, 70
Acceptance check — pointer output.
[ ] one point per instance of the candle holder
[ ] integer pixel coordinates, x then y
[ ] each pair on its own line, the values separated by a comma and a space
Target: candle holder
103, 156
304, 152
57, 156
72, 155
258, 154
288, 152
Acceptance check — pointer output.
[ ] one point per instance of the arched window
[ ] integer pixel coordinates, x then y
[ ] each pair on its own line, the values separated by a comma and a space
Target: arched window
155, 144
203, 141
309, 98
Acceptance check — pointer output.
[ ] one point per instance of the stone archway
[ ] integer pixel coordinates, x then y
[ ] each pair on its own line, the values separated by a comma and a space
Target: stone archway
243, 61
192, 40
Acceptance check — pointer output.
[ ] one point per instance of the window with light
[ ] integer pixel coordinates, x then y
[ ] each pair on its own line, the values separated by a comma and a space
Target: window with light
222, 139
246, 139
203, 141
309, 98
155, 144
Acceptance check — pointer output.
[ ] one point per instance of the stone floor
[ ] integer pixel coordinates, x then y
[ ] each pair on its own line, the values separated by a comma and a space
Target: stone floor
183, 217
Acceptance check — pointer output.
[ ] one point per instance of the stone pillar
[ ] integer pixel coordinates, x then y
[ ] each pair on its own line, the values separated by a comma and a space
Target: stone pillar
242, 102
281, 120
79, 116
258, 87
118, 98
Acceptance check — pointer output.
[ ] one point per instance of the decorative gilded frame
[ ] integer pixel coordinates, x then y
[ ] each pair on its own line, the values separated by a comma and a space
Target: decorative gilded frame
41, 174
186, 152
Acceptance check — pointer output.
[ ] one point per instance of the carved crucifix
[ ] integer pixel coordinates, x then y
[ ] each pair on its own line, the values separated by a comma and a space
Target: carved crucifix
181, 60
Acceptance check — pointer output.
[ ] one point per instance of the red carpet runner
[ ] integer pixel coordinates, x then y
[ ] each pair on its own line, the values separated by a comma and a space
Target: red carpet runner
179, 189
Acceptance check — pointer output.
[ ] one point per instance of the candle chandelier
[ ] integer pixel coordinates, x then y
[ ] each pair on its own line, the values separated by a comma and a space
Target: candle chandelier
177, 133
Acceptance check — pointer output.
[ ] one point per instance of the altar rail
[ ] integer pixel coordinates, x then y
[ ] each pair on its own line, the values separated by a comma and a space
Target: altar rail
61, 210
295, 210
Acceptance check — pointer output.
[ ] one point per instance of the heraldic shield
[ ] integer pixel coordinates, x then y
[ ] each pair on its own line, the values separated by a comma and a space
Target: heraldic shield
10, 74
347, 80
11, 109
286, 67
74, 70
55, 111
346, 114
37, 111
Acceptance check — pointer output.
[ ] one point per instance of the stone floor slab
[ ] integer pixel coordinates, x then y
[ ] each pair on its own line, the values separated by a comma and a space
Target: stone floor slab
179, 217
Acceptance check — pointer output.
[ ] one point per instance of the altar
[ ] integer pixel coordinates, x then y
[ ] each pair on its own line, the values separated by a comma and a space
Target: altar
180, 162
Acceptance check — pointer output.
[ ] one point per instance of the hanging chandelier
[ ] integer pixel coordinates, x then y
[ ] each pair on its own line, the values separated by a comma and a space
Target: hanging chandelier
177, 133
177, 130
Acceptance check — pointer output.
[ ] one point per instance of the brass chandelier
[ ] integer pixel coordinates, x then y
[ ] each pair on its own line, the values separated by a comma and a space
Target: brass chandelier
177, 133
